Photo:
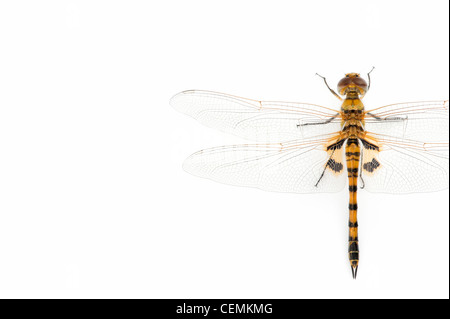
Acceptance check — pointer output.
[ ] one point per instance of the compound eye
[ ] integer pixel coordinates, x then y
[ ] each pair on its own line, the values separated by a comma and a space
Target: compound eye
360, 82
344, 83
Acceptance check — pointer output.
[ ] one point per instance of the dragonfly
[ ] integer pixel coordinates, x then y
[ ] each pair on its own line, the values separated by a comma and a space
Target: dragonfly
306, 148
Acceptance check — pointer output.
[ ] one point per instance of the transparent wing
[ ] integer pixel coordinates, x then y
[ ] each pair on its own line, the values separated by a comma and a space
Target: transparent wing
399, 166
421, 121
406, 148
299, 167
257, 120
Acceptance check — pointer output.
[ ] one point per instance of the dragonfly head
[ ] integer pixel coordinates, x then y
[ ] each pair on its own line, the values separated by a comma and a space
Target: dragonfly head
352, 83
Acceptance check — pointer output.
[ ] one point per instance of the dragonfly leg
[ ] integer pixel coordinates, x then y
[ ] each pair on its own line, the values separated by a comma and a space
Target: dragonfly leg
320, 123
388, 119
363, 183
368, 76
331, 90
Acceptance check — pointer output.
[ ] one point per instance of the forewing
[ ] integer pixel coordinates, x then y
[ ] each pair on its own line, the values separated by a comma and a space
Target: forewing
296, 167
420, 121
257, 120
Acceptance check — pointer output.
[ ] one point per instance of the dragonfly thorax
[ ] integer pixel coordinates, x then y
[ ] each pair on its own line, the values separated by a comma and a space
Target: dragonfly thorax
352, 107
353, 118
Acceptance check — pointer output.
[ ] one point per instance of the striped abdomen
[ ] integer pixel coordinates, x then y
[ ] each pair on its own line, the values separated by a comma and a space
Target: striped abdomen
353, 156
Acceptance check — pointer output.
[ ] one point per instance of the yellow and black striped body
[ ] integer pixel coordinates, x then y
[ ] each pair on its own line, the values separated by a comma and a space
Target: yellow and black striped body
353, 156
357, 148
353, 126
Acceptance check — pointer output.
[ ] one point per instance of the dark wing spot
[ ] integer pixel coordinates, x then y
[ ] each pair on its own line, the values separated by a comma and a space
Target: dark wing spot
369, 146
335, 166
336, 146
371, 166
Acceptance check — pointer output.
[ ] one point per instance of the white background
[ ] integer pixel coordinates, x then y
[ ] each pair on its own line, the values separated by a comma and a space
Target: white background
93, 200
